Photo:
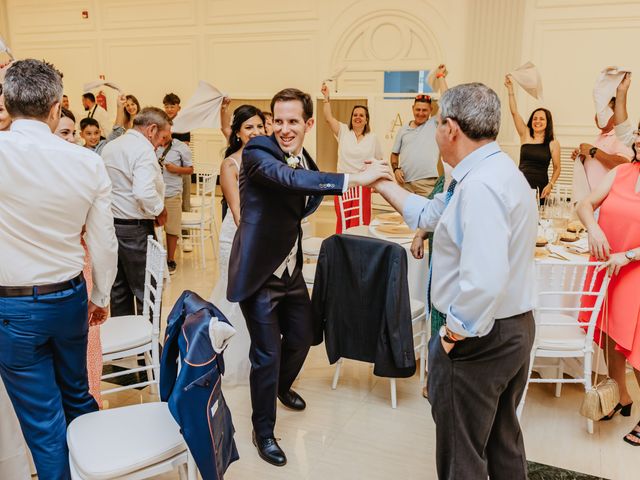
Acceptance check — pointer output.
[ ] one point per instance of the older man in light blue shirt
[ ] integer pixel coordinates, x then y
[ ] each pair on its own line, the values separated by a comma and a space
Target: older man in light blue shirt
482, 280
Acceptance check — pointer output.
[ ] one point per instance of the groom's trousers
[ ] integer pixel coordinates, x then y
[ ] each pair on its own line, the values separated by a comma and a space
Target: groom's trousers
278, 318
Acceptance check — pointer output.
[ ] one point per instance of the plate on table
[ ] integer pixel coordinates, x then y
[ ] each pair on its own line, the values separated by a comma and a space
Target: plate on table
395, 230
391, 218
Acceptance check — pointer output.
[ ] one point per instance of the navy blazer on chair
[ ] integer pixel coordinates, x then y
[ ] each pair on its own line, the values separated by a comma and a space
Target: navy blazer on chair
273, 201
194, 394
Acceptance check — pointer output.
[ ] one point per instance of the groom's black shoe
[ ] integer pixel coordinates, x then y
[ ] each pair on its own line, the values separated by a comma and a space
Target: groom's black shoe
269, 450
292, 400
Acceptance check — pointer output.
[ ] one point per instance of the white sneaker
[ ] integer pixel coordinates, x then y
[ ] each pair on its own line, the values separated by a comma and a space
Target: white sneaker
187, 246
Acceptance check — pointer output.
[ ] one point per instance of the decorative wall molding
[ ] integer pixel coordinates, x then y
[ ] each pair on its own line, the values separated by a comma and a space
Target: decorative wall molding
126, 14
259, 11
386, 40
555, 4
152, 55
29, 17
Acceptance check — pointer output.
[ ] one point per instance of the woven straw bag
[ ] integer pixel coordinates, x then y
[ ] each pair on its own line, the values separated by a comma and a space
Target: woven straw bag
602, 397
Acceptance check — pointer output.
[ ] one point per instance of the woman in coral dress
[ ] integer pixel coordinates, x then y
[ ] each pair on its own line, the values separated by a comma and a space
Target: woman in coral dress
615, 239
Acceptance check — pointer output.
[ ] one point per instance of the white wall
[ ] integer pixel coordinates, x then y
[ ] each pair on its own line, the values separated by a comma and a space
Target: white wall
253, 48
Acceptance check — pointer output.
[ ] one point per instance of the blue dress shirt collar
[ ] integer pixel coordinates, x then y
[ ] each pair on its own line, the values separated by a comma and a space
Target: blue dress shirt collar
472, 160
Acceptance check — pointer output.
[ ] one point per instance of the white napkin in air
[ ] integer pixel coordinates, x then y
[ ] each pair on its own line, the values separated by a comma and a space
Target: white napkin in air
202, 110
605, 88
528, 77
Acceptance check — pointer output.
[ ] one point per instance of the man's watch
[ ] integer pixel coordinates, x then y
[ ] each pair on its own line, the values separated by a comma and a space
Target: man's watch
631, 255
444, 335
396, 168
592, 151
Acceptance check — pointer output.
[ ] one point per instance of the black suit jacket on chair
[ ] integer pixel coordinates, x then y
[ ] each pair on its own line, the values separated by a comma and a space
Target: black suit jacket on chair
361, 303
273, 201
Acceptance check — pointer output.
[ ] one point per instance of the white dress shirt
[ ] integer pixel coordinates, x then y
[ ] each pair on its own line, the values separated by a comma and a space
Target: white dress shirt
290, 261
49, 189
138, 188
483, 246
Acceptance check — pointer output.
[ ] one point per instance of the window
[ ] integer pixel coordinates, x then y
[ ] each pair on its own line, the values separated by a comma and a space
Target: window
406, 82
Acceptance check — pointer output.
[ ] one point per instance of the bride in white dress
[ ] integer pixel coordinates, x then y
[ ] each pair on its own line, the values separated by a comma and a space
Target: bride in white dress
248, 122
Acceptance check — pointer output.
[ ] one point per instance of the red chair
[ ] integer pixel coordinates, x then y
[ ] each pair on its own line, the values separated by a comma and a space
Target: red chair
353, 208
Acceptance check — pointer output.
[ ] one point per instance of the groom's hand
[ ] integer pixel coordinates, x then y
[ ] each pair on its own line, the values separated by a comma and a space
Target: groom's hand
374, 170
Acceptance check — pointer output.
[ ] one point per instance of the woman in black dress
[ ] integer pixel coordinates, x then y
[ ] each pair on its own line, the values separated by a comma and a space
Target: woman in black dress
538, 145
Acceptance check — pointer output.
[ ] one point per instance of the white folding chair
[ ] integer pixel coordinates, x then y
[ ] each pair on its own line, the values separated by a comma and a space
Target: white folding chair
128, 443
133, 336
162, 239
201, 224
418, 317
559, 333
201, 171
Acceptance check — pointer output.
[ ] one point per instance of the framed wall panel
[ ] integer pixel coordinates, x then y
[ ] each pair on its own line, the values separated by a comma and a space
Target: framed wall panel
127, 14
260, 65
29, 17
150, 67
78, 64
259, 11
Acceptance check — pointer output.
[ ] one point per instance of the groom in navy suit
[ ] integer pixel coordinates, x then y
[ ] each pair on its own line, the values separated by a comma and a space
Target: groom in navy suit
279, 186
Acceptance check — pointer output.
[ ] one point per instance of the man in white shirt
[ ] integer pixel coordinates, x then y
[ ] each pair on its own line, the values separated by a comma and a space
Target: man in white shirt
482, 279
137, 202
49, 190
96, 112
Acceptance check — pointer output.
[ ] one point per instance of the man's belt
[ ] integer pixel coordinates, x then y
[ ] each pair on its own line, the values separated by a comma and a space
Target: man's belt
132, 221
34, 290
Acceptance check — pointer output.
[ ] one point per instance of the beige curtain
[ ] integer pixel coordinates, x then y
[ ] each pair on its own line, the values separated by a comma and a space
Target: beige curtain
327, 146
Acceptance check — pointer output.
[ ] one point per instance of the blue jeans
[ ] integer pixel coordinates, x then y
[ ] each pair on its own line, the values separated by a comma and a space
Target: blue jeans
43, 363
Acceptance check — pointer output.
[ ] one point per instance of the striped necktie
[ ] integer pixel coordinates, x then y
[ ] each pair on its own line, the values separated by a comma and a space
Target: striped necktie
452, 187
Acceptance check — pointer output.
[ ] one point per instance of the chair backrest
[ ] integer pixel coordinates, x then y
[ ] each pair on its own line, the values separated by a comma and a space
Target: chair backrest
564, 286
349, 209
207, 196
202, 171
153, 283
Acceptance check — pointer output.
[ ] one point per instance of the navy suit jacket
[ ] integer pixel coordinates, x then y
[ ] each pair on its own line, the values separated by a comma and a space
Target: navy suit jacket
194, 394
272, 204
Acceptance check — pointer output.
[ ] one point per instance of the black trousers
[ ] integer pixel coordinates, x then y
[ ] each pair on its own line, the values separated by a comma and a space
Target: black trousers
127, 292
279, 321
474, 392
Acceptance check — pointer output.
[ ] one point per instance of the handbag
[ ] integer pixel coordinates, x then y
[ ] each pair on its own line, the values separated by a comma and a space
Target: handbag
603, 396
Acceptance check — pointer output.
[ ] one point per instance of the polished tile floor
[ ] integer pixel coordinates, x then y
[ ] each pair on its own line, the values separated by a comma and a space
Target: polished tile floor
352, 432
